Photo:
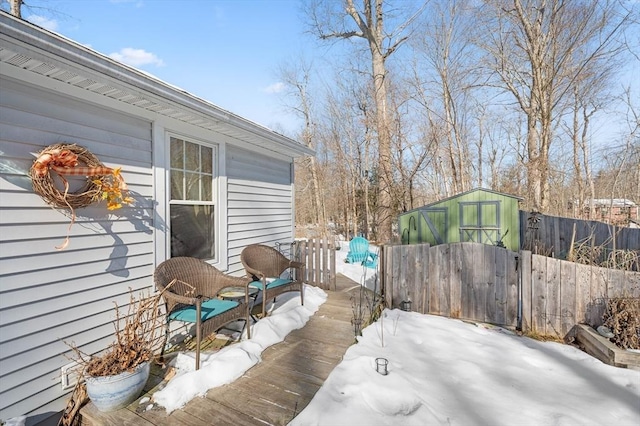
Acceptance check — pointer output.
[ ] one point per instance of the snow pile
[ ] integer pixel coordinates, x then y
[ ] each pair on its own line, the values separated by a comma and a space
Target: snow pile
226, 365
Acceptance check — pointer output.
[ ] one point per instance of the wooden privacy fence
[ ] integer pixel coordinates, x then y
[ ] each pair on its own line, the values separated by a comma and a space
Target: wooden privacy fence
555, 234
490, 284
557, 294
459, 280
319, 256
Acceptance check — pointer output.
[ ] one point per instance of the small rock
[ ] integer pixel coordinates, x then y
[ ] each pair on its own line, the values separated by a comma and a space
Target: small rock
605, 332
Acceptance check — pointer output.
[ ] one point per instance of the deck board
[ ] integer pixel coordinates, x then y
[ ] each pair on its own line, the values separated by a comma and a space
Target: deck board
273, 391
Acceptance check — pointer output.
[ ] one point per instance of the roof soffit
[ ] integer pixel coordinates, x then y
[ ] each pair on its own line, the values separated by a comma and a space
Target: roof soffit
26, 46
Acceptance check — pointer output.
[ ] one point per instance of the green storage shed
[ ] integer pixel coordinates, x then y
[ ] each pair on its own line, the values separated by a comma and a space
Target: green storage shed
479, 215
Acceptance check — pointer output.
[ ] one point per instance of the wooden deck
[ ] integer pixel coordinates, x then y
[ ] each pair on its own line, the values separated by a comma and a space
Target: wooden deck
272, 392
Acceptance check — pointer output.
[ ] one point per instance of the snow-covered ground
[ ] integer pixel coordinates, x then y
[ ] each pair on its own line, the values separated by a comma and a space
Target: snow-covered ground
440, 372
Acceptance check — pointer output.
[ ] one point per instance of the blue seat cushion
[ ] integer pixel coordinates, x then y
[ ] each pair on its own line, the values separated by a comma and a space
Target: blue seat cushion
271, 284
210, 308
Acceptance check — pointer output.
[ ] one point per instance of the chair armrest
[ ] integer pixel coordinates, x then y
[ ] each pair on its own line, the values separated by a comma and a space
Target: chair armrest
300, 266
253, 273
175, 298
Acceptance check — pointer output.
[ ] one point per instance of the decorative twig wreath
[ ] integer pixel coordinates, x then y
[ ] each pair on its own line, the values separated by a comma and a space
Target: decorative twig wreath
103, 183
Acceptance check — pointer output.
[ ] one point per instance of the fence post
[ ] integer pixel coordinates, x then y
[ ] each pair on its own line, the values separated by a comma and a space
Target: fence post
332, 251
386, 282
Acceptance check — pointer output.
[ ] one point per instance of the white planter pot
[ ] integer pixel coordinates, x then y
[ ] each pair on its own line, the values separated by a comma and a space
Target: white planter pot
110, 393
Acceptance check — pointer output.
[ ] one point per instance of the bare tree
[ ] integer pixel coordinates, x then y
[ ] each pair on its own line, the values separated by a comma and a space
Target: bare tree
579, 131
620, 179
297, 78
447, 51
538, 48
411, 148
349, 111
369, 23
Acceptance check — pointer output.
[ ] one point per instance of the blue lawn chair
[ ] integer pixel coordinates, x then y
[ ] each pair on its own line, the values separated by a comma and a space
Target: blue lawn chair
359, 253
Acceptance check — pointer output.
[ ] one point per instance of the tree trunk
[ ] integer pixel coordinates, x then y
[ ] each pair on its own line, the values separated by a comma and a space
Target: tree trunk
385, 175
16, 8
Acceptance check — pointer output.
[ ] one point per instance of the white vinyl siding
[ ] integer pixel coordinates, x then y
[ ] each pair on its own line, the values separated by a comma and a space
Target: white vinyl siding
260, 196
49, 296
55, 90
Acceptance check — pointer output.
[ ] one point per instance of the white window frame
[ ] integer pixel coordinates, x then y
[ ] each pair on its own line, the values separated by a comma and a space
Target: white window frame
218, 255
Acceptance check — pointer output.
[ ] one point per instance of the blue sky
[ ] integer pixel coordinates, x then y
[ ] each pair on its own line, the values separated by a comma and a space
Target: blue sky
224, 51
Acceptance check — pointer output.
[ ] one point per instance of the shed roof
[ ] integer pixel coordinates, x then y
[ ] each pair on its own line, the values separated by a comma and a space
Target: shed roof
468, 192
32, 48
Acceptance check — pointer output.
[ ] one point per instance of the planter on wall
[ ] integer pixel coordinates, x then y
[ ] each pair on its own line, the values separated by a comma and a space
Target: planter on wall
110, 393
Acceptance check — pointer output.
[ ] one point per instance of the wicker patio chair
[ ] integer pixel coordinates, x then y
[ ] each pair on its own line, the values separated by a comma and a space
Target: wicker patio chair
266, 266
190, 287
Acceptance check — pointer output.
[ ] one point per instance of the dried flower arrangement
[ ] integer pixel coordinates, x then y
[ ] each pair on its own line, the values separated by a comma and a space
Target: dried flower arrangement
142, 329
103, 183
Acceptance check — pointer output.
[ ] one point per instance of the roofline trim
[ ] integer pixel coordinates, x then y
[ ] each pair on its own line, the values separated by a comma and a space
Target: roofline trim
67, 51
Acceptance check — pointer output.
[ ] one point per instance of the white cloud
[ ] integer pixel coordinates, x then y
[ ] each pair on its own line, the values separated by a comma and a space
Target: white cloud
275, 88
136, 57
46, 23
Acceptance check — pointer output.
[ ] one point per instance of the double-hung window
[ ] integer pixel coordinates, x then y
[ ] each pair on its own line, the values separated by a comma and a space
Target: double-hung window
192, 199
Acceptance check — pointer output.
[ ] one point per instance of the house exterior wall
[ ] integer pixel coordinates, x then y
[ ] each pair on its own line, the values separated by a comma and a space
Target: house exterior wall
47, 296
260, 196
620, 212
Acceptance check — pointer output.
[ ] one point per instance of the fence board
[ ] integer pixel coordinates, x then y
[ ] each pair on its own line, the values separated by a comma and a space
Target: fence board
538, 293
526, 290
583, 293
467, 287
500, 302
633, 283
511, 281
332, 268
489, 262
417, 285
599, 278
567, 296
553, 312
444, 289
315, 244
455, 280
479, 286
617, 285
434, 274
409, 266
398, 272
396, 268
426, 291
386, 269
555, 232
